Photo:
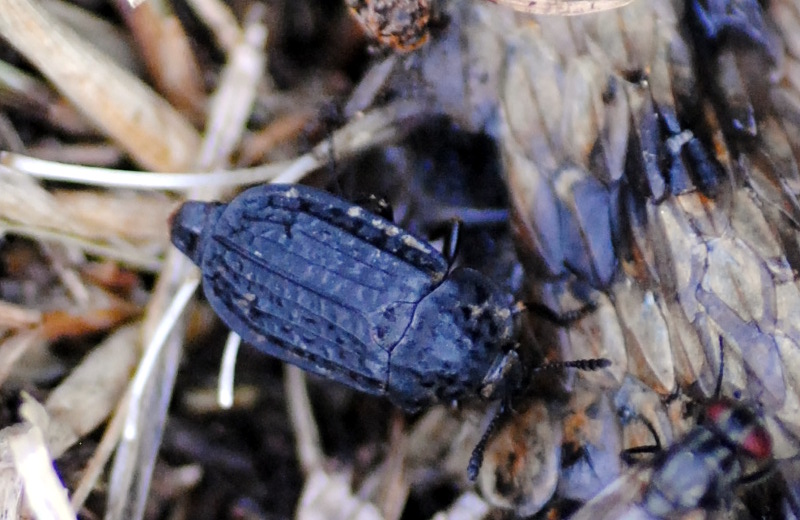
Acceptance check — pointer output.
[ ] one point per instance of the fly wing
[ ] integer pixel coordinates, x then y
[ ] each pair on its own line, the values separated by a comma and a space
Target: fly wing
317, 282
619, 499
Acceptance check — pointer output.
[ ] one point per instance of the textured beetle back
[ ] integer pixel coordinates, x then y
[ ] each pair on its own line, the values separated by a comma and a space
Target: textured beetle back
457, 334
311, 279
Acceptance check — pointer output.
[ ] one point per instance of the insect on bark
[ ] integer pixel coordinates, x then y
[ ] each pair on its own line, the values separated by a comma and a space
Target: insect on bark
701, 471
705, 466
729, 446
345, 294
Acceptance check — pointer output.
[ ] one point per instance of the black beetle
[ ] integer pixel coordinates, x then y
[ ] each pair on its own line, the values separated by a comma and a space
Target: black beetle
346, 294
340, 292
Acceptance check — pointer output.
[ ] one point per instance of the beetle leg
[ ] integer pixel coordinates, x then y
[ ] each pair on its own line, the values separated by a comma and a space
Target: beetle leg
505, 373
756, 476
629, 455
561, 319
452, 241
377, 205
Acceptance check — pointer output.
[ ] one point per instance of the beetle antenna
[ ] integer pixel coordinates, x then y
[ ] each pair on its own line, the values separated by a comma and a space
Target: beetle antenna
476, 459
580, 364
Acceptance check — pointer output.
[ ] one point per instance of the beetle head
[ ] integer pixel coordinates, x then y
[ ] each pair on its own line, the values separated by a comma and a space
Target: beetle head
190, 224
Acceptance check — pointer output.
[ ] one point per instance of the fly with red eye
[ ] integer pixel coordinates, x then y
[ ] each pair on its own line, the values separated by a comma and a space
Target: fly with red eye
740, 428
727, 449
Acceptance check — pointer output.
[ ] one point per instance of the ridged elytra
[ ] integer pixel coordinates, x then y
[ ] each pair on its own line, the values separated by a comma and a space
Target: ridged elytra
340, 292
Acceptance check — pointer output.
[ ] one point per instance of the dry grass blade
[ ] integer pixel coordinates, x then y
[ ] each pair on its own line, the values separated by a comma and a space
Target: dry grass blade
370, 86
102, 155
309, 450
23, 201
220, 20
167, 321
44, 493
155, 376
161, 37
135, 217
19, 89
16, 316
325, 495
372, 129
391, 480
124, 253
328, 497
14, 347
151, 392
102, 454
10, 480
227, 368
85, 219
86, 398
149, 129
232, 103
256, 145
468, 506
110, 37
